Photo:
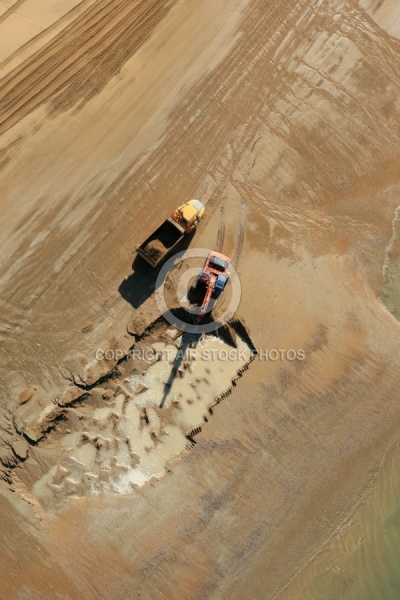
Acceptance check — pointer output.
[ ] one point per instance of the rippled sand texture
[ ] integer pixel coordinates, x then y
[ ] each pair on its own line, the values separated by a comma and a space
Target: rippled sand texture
284, 118
361, 563
391, 270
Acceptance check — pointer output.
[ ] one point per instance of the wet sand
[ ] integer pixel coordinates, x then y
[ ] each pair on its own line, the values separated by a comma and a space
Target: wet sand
361, 561
136, 431
285, 121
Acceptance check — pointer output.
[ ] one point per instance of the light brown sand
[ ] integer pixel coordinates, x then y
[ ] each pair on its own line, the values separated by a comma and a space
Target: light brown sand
109, 119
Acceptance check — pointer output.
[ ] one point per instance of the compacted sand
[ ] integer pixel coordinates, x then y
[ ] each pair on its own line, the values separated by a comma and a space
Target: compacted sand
284, 118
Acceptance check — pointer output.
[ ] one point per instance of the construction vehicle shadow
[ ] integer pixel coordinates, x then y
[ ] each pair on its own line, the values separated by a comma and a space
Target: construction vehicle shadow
189, 340
196, 295
139, 286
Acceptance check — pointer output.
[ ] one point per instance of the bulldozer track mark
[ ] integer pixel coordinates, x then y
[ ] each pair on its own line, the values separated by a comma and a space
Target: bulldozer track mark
67, 19
198, 143
11, 10
240, 235
132, 187
67, 70
221, 229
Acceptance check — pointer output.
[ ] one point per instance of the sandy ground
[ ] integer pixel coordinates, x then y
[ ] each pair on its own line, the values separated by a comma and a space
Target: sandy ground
286, 115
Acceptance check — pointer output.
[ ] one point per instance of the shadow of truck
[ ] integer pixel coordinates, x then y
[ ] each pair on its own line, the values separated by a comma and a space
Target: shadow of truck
140, 284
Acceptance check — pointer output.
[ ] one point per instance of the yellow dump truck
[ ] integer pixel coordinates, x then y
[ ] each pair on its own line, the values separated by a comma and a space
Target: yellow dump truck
164, 239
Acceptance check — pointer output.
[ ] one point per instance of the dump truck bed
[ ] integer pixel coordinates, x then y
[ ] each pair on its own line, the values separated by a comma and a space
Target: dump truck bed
161, 242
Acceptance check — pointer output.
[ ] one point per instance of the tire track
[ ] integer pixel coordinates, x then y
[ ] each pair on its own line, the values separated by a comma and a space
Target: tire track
11, 10
221, 229
205, 138
240, 235
67, 69
63, 21
209, 127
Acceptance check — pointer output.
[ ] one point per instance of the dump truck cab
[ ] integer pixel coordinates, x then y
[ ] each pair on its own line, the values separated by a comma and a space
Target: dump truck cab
189, 214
